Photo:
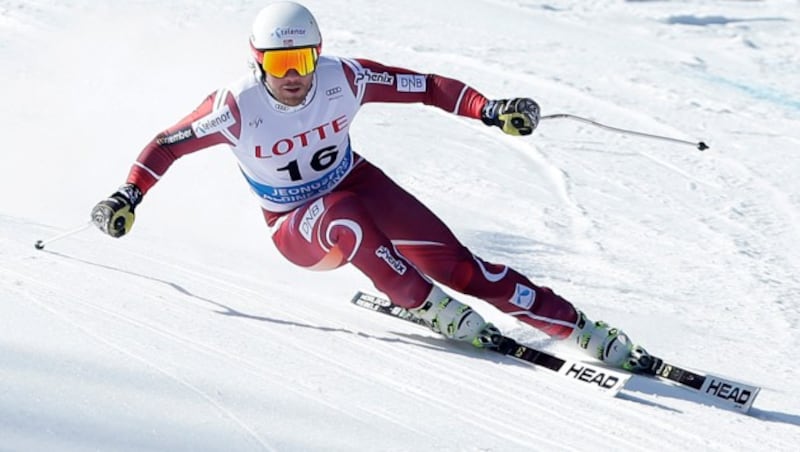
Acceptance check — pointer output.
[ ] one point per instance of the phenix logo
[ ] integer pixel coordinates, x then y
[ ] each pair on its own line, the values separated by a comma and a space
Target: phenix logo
381, 78
397, 264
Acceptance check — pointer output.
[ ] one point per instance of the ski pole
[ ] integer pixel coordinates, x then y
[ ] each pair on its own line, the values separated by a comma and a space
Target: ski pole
699, 145
39, 245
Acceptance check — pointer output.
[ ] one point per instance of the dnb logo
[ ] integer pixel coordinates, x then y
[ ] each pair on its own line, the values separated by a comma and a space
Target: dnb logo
411, 83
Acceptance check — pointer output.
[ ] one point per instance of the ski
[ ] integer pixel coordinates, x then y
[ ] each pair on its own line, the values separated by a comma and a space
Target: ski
719, 391
607, 381
716, 390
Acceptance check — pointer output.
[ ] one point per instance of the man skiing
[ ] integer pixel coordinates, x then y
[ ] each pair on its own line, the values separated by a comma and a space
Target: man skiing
287, 122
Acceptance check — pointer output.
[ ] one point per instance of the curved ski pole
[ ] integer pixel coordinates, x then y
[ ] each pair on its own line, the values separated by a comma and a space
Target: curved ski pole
699, 145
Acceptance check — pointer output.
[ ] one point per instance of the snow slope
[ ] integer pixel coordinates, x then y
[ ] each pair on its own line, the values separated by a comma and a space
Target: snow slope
192, 333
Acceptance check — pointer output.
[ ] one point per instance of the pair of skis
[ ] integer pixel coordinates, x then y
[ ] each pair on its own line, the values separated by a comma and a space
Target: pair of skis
718, 391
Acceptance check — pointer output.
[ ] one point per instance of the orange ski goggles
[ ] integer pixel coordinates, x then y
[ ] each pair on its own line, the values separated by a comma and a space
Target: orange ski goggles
277, 62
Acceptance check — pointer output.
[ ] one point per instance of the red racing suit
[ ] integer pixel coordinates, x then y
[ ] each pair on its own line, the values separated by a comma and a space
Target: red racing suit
328, 206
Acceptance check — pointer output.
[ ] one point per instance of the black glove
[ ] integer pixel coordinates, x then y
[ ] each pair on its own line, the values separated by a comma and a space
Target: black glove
114, 215
518, 116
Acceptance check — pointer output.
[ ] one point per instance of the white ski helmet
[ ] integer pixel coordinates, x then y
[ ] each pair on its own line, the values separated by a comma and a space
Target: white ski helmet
284, 25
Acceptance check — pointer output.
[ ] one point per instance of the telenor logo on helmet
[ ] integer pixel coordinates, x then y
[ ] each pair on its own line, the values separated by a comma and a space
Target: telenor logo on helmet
289, 32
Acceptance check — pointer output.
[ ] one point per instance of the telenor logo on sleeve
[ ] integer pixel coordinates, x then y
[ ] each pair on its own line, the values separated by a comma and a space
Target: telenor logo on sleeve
213, 122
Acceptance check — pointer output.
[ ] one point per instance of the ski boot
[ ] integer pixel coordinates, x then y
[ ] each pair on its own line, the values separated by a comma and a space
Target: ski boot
611, 346
489, 337
454, 320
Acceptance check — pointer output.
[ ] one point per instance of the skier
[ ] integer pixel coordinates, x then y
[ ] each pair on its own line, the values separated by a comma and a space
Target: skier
287, 122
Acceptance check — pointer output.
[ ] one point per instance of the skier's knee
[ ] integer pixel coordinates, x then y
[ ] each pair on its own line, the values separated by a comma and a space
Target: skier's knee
323, 235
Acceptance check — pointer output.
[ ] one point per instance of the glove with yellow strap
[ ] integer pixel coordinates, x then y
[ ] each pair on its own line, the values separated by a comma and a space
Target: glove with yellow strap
114, 215
518, 116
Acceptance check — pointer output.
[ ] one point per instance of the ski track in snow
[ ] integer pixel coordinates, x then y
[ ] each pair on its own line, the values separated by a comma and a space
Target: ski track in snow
106, 314
187, 278
309, 316
421, 395
261, 372
426, 369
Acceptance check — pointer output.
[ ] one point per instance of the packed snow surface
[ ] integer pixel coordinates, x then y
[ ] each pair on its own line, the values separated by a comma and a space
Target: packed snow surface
193, 333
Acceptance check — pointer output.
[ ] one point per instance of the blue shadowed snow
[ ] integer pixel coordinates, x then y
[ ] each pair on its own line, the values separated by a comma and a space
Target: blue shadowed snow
762, 93
715, 20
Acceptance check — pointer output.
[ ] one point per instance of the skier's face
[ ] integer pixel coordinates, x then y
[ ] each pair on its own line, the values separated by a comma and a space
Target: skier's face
291, 89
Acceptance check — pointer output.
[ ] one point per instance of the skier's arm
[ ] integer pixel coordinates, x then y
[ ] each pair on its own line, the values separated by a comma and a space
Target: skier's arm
215, 121
379, 83
375, 82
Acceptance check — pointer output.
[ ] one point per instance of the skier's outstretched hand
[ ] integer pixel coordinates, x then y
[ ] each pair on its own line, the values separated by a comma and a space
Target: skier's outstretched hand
518, 116
114, 215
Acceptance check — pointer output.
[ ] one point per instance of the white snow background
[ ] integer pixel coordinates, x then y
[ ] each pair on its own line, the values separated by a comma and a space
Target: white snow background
192, 333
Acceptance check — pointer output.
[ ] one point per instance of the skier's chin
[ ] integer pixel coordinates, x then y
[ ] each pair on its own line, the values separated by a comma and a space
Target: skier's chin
292, 97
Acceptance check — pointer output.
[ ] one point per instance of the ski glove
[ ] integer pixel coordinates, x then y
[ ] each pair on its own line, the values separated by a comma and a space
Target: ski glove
518, 116
114, 215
